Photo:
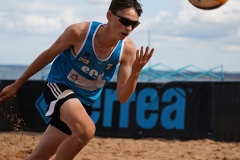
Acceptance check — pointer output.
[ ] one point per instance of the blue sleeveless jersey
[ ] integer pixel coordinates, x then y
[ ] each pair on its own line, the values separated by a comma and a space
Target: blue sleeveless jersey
85, 73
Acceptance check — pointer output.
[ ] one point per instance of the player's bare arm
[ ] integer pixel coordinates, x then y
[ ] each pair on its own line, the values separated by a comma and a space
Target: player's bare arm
70, 37
132, 62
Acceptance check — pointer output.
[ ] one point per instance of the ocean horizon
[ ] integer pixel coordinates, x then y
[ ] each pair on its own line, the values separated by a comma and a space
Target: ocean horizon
13, 72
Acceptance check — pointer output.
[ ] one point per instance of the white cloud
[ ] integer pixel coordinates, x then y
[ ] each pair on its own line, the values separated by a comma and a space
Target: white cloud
69, 16
235, 48
194, 23
186, 15
39, 6
38, 17
98, 1
181, 34
45, 24
162, 16
224, 14
36, 23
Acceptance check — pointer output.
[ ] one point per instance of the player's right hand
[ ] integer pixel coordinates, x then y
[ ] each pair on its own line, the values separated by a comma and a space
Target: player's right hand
8, 93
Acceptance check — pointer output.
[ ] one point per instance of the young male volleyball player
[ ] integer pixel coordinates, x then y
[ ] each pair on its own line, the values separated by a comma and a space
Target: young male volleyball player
86, 56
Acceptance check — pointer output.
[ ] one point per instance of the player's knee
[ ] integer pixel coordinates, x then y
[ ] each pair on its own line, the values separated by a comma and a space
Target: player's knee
84, 135
89, 132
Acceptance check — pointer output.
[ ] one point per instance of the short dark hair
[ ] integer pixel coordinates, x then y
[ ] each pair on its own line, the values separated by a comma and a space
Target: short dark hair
119, 5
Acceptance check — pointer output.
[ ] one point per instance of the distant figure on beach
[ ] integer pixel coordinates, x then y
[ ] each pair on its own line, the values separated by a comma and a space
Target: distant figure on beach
85, 58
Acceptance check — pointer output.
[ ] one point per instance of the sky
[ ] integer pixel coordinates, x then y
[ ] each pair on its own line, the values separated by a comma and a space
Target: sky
180, 33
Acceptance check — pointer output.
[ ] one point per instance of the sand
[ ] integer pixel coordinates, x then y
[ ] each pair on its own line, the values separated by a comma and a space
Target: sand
17, 145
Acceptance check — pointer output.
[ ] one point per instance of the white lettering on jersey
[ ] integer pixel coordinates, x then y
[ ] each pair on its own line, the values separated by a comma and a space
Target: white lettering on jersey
100, 76
91, 72
85, 69
84, 83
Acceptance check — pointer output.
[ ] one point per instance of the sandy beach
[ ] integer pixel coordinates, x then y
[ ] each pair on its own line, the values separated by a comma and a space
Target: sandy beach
17, 145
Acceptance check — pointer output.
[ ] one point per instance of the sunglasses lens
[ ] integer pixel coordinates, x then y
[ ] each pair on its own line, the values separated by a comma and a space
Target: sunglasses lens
135, 24
127, 22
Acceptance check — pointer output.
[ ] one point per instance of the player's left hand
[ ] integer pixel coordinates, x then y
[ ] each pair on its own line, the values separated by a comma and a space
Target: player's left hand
141, 59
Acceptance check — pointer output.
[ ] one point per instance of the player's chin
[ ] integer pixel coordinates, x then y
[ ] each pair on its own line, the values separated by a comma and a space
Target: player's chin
123, 36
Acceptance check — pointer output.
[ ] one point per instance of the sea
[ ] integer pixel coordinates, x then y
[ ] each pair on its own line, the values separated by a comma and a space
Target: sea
13, 72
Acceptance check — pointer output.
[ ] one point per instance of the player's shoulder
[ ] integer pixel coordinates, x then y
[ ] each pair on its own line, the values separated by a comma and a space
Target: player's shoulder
129, 50
78, 28
129, 45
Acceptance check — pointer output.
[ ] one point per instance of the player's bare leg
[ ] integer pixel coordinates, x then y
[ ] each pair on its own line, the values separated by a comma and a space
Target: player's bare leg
48, 144
82, 127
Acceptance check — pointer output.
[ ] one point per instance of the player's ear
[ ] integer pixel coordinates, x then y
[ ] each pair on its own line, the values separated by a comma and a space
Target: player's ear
109, 15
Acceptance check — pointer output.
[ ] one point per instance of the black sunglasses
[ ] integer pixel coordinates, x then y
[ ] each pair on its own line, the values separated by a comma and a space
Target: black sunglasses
127, 22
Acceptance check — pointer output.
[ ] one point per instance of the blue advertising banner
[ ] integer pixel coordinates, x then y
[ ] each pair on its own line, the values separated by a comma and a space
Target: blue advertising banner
171, 110
182, 110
